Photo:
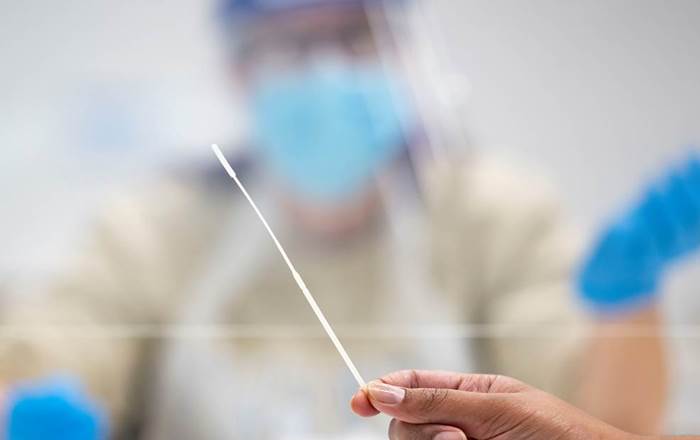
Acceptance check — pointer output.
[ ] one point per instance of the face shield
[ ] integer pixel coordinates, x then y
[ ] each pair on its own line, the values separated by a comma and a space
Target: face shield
353, 99
409, 35
339, 91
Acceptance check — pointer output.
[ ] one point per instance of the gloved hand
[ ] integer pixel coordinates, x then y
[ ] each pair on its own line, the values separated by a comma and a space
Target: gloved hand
625, 267
53, 409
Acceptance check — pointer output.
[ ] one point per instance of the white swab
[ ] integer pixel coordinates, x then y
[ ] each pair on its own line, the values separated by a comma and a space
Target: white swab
300, 282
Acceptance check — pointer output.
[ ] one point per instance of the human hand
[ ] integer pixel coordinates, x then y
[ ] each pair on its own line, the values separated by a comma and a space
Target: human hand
453, 406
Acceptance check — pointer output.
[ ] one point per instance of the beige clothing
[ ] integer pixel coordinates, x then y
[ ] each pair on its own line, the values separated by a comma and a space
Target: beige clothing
498, 259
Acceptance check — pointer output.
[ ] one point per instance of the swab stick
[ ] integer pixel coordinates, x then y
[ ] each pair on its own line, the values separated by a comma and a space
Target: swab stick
300, 282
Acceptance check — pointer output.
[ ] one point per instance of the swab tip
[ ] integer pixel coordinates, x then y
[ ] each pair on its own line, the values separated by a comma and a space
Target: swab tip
222, 159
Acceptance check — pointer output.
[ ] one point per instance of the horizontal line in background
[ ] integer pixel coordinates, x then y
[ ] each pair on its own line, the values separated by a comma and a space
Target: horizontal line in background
358, 332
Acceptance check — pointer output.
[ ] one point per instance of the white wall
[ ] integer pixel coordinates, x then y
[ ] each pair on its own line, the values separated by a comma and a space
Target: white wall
599, 93
92, 93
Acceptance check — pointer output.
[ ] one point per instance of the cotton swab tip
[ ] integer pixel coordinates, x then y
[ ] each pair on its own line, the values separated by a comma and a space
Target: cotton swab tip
224, 162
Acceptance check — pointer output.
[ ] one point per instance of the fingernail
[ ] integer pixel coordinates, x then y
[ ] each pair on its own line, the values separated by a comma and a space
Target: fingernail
386, 394
449, 435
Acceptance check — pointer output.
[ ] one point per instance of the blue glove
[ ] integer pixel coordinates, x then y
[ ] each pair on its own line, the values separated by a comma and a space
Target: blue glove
53, 409
625, 267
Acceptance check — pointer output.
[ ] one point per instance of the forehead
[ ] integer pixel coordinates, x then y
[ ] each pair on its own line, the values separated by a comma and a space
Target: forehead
309, 21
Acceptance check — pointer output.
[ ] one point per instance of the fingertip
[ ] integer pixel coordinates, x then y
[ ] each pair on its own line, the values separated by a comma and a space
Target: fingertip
450, 435
361, 405
399, 429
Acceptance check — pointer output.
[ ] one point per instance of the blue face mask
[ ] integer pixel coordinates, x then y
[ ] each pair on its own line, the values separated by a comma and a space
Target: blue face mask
327, 130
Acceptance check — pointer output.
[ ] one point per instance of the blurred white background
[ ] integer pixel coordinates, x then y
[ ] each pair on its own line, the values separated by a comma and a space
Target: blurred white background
94, 94
595, 94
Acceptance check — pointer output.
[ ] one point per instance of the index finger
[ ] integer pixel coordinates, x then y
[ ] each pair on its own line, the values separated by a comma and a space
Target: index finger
475, 383
361, 405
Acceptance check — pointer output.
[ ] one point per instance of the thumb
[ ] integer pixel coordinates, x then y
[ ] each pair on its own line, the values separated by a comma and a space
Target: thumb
469, 411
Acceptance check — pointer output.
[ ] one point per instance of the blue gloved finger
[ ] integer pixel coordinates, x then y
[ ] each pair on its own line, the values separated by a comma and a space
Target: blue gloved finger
660, 223
691, 177
641, 258
680, 205
625, 266
56, 408
623, 270
691, 182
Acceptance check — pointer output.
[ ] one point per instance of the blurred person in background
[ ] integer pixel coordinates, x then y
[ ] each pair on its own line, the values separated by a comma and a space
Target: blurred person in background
182, 322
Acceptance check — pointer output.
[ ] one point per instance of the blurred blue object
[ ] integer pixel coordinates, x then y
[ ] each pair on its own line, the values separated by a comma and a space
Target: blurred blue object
625, 267
237, 9
53, 409
327, 129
